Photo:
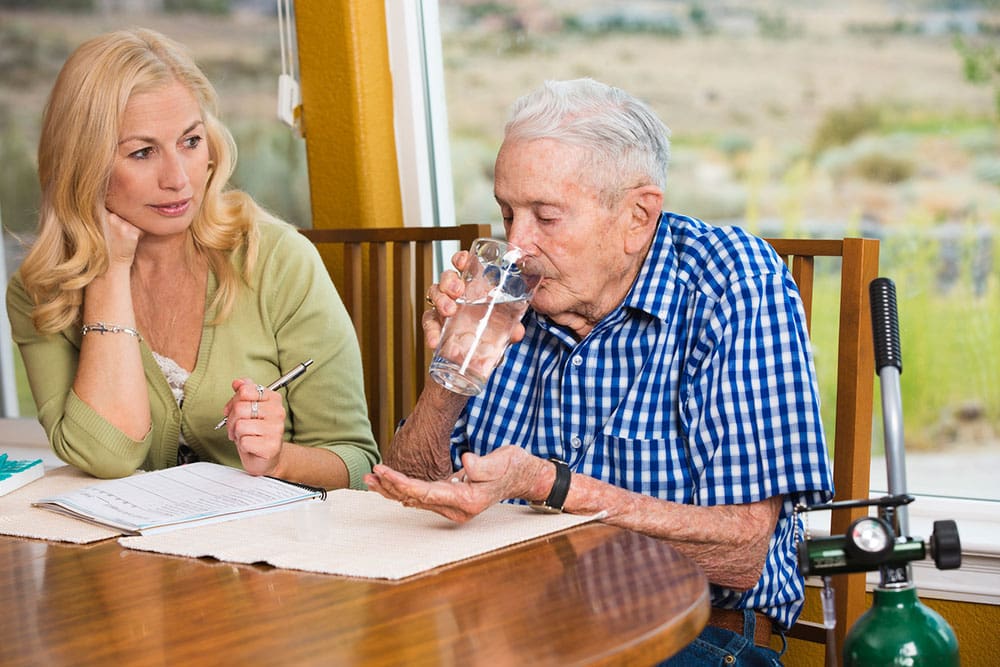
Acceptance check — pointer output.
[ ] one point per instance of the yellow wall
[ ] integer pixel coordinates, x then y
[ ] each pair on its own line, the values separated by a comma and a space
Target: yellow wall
975, 625
347, 113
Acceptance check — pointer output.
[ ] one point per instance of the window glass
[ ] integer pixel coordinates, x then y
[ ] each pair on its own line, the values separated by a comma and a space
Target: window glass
819, 119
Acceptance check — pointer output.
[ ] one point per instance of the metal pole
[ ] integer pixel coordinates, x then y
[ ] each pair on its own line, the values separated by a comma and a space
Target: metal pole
895, 457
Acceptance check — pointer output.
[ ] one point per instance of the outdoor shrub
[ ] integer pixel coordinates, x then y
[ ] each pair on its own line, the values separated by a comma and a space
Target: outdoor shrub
842, 126
883, 168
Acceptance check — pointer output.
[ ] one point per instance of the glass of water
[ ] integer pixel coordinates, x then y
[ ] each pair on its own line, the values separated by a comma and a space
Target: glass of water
500, 280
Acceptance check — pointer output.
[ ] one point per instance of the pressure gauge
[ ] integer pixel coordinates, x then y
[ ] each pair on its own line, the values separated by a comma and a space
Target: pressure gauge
869, 540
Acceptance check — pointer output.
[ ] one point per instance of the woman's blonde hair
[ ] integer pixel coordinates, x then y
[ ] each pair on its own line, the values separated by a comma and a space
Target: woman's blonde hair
76, 152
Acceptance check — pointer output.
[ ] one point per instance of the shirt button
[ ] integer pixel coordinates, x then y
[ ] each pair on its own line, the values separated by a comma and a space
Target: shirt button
576, 442
577, 360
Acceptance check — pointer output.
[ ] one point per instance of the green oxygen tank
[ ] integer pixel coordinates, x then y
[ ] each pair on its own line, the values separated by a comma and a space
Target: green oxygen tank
899, 630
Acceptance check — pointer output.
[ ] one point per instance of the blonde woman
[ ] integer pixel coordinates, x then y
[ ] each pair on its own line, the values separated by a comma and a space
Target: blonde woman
157, 299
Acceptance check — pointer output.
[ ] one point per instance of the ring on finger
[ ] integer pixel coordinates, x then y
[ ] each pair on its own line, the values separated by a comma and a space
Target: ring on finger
429, 300
260, 392
254, 410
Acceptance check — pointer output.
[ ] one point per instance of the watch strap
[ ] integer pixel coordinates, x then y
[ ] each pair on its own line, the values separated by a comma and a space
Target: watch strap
560, 489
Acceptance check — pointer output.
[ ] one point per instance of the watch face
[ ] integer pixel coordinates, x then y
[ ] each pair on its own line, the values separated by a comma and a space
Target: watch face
544, 509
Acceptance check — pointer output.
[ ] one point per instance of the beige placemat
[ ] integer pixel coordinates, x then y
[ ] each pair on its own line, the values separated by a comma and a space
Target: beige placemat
357, 534
20, 519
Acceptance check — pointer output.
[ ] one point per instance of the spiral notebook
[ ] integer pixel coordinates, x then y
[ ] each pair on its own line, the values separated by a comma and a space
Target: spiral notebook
178, 497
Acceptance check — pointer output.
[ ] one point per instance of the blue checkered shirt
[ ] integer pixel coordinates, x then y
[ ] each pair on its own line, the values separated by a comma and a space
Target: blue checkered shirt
699, 388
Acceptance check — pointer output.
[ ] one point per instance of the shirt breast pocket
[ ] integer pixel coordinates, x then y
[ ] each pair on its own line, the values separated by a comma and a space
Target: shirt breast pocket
654, 466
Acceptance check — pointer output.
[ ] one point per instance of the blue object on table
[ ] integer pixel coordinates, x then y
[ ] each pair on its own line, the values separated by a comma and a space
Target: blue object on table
15, 474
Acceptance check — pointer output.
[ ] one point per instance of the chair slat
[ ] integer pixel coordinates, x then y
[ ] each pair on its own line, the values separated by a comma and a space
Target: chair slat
424, 277
354, 281
405, 342
803, 268
380, 335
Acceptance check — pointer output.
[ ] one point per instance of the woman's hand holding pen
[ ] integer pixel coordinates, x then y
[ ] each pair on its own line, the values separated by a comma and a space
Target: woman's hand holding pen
255, 421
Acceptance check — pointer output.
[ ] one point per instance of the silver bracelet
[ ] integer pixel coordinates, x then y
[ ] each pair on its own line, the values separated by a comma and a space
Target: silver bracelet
103, 328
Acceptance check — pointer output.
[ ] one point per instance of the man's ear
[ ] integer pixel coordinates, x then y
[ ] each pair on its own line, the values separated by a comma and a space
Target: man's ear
645, 205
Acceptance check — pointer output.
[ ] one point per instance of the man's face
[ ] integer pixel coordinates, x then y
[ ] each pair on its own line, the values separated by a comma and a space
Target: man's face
551, 210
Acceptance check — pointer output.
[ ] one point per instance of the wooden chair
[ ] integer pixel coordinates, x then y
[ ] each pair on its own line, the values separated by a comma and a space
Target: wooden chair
854, 404
382, 275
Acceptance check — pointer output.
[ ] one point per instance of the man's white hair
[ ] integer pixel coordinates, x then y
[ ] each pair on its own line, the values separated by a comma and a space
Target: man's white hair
627, 143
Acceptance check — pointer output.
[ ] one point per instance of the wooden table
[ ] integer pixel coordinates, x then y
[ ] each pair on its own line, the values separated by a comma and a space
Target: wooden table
592, 595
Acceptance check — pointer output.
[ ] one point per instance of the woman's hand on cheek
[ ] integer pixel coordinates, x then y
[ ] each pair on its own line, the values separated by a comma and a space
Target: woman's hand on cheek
122, 238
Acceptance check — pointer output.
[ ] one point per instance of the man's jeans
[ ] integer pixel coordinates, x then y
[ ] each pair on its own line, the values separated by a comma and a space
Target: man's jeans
715, 646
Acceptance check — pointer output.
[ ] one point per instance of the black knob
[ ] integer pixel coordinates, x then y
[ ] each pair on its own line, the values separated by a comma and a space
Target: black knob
946, 548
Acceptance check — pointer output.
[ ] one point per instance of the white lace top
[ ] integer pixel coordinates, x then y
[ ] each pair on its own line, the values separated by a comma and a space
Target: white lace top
175, 375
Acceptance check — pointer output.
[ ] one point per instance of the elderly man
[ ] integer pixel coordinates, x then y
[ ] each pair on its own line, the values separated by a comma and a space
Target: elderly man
663, 374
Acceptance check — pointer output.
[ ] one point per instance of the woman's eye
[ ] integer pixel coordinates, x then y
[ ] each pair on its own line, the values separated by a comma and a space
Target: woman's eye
141, 154
192, 142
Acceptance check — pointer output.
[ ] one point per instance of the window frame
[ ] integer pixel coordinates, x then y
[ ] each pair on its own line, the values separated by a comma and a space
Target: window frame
420, 111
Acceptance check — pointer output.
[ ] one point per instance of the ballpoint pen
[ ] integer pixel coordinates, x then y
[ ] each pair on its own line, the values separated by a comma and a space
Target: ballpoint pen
278, 384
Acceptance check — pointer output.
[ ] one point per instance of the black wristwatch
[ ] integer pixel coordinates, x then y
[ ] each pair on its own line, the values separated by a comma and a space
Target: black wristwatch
560, 488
